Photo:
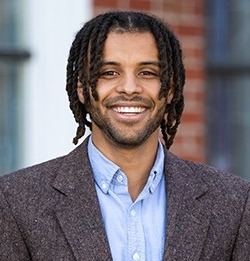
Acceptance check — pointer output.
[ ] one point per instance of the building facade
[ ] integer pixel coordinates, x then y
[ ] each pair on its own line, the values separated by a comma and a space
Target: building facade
35, 121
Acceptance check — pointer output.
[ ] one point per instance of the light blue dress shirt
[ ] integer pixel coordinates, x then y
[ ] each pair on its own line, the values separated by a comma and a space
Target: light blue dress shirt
135, 230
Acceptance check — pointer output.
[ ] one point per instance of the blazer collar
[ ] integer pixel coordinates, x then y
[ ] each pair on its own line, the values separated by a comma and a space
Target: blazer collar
188, 217
78, 209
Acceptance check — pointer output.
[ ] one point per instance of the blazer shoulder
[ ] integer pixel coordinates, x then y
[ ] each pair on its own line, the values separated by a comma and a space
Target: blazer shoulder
45, 172
214, 178
37, 174
47, 169
210, 172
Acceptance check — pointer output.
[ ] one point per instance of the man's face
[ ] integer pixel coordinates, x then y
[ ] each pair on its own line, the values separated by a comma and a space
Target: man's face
128, 111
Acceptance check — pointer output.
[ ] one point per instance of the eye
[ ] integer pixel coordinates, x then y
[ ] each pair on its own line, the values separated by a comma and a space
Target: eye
149, 74
108, 74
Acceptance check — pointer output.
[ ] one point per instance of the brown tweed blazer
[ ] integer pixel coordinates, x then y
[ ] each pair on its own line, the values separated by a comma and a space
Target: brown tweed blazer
50, 212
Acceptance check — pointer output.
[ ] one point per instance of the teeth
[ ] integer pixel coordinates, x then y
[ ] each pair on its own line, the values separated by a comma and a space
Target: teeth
129, 109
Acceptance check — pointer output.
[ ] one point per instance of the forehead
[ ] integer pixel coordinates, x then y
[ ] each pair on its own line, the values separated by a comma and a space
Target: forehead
130, 43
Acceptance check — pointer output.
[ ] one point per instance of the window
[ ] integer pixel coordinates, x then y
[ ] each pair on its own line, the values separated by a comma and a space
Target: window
11, 58
228, 86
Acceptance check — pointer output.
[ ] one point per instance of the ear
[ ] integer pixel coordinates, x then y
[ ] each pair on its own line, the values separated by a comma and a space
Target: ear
80, 92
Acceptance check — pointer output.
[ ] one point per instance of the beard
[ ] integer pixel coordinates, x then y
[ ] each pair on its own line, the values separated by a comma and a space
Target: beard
128, 136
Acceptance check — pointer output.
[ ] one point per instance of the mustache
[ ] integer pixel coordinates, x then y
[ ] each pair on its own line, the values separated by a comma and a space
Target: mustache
142, 101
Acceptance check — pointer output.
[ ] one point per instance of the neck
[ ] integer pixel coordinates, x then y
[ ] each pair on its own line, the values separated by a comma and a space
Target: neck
135, 162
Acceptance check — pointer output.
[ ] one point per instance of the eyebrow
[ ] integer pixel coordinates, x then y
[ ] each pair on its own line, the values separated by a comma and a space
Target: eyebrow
155, 63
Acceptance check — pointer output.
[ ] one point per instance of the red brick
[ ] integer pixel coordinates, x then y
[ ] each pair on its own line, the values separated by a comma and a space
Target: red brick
194, 52
190, 30
105, 3
199, 8
193, 117
140, 4
172, 6
195, 74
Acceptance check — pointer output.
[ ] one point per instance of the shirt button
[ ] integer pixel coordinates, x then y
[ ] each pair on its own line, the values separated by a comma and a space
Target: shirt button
136, 256
133, 213
119, 178
104, 185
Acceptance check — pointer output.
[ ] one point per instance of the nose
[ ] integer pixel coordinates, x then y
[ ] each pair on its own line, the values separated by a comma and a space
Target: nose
129, 85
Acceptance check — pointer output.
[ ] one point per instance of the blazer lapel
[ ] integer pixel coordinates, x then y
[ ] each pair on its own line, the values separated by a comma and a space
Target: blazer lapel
78, 209
187, 217
79, 214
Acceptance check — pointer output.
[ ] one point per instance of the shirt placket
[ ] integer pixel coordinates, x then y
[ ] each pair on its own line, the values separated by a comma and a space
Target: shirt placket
136, 240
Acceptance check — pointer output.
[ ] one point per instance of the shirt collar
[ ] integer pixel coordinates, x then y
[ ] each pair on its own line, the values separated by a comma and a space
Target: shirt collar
156, 172
104, 170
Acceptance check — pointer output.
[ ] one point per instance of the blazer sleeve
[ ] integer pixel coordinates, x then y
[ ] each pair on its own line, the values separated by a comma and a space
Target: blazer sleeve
242, 244
12, 245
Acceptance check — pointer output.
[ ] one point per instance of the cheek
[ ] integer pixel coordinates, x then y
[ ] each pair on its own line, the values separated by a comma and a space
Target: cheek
103, 91
152, 88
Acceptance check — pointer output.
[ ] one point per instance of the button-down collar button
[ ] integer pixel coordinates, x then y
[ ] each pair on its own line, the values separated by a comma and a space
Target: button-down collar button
104, 185
119, 178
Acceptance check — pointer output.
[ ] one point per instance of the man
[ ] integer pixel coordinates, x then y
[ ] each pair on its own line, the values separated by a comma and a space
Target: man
121, 194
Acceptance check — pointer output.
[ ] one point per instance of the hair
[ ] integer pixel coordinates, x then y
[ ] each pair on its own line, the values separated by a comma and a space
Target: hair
85, 57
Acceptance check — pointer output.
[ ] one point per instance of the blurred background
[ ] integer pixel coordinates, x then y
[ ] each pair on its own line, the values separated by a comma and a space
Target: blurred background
36, 123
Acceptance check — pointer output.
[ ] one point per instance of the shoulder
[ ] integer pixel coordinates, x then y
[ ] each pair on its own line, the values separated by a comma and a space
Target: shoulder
218, 177
42, 175
198, 174
30, 190
43, 171
30, 186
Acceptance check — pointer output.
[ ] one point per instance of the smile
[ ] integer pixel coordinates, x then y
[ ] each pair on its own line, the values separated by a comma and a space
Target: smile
128, 110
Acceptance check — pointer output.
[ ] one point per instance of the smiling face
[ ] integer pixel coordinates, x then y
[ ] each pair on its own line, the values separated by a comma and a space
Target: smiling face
128, 111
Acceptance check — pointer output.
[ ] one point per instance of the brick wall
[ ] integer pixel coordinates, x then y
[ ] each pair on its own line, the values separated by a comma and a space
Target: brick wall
186, 18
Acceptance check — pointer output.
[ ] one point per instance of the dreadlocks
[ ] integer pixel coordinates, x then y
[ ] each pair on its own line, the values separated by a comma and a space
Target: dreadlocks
84, 64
